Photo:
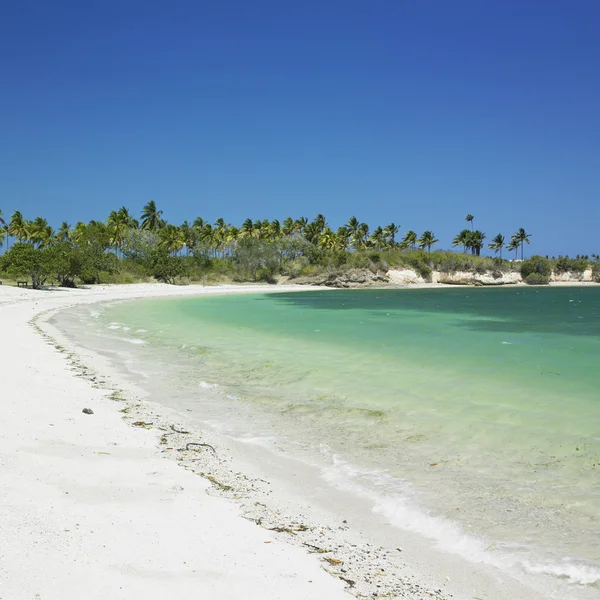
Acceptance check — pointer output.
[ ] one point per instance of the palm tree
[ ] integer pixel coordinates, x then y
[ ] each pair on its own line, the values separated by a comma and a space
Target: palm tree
127, 218
207, 235
476, 241
231, 237
220, 234
378, 238
260, 229
320, 222
274, 230
522, 236
409, 240
151, 217
390, 232
427, 240
187, 234
118, 223
287, 228
469, 219
497, 244
64, 232
18, 226
312, 232
352, 226
361, 238
327, 240
3, 231
343, 238
170, 239
513, 245
39, 232
247, 229
300, 224
462, 239
79, 232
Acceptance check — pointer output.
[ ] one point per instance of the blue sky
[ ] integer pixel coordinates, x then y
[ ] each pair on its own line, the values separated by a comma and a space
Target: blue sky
414, 111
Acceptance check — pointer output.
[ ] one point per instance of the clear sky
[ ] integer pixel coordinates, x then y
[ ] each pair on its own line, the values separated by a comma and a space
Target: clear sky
412, 111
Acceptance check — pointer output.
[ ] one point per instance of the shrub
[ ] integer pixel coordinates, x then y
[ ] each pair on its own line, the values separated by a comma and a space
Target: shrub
23, 260
167, 268
536, 265
359, 260
295, 268
564, 264
537, 279
266, 274
254, 258
596, 272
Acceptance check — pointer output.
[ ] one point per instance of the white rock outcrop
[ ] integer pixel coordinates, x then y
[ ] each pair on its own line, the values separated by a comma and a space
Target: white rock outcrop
410, 277
404, 277
469, 278
570, 276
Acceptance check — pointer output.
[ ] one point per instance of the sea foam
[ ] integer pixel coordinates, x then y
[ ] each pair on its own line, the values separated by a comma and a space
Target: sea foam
396, 501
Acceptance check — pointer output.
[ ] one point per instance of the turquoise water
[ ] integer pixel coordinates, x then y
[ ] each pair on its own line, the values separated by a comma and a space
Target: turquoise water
469, 415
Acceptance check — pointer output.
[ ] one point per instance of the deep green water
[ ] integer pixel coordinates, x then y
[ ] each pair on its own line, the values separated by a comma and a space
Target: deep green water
469, 415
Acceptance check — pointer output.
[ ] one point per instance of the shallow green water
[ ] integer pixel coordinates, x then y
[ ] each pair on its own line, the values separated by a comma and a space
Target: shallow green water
475, 405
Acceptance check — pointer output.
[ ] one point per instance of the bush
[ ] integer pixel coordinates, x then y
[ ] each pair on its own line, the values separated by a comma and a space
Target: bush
596, 272
537, 279
98, 265
359, 260
254, 258
295, 267
266, 274
167, 268
25, 261
538, 265
564, 264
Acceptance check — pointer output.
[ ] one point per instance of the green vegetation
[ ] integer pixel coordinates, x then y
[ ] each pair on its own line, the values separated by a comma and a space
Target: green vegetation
537, 279
536, 270
564, 264
123, 249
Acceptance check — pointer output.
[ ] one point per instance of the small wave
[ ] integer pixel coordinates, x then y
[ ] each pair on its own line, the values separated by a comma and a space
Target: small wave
395, 500
262, 441
208, 386
567, 569
113, 326
129, 363
507, 343
141, 330
135, 341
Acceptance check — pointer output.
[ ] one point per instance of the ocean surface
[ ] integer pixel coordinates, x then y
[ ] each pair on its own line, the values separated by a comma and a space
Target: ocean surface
470, 416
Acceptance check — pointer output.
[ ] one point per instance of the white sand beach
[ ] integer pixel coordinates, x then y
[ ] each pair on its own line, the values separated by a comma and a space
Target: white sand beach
91, 508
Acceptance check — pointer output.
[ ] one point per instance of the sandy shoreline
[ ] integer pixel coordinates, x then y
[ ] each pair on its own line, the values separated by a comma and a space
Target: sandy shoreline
91, 509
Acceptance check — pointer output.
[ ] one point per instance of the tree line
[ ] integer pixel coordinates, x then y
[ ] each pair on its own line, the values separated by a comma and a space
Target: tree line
221, 236
473, 240
125, 248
